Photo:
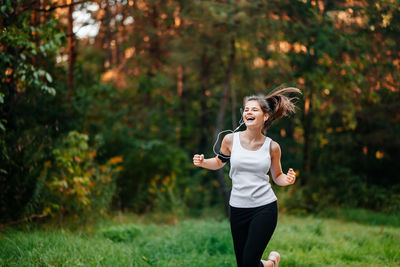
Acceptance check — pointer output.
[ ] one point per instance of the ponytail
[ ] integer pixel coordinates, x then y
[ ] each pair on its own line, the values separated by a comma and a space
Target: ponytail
276, 104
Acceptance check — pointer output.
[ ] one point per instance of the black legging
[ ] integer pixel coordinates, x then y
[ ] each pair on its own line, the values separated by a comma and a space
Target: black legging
252, 229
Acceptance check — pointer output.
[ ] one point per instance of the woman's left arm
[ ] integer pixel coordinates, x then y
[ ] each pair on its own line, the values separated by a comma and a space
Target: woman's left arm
276, 170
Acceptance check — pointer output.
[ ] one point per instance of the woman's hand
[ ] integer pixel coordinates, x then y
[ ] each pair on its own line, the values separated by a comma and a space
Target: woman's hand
276, 170
291, 176
198, 160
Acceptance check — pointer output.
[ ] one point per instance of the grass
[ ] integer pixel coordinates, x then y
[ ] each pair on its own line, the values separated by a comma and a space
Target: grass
362, 216
129, 240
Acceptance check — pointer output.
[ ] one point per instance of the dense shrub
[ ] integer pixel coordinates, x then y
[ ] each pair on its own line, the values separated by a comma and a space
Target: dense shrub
73, 183
340, 187
154, 173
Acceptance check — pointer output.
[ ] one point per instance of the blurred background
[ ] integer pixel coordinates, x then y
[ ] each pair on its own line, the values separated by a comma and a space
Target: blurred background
104, 102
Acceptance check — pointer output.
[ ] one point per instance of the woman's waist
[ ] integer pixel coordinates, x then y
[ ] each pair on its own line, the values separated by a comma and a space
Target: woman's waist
238, 199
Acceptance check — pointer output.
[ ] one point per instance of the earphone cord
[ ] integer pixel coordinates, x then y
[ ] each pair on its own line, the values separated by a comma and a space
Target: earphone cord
241, 122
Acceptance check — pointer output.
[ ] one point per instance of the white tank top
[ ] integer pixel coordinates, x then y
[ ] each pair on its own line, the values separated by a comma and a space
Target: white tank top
250, 181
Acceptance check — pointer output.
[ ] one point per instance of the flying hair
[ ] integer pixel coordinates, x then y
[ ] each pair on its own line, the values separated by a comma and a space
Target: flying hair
275, 104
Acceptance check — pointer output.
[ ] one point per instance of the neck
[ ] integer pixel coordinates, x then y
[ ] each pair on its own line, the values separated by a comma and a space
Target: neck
253, 133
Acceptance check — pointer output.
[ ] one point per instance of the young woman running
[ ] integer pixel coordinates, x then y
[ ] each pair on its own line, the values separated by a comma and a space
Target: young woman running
253, 204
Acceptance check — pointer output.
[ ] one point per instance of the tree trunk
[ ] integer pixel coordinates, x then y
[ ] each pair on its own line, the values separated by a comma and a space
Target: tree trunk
204, 77
35, 20
182, 136
155, 46
71, 51
234, 107
108, 35
307, 137
220, 121
182, 106
225, 90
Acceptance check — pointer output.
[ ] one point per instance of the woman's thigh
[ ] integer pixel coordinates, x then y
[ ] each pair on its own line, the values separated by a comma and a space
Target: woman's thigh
240, 221
252, 229
260, 231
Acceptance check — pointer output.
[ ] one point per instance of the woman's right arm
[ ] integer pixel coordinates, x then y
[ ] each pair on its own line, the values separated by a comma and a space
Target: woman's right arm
215, 163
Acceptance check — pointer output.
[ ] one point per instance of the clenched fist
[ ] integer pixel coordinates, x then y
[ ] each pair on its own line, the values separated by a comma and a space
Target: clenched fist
198, 160
291, 176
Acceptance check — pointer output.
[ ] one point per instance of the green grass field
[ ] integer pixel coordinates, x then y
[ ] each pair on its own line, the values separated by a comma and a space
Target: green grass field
130, 240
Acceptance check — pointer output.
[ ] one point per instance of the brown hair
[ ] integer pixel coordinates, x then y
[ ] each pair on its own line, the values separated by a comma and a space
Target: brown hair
275, 104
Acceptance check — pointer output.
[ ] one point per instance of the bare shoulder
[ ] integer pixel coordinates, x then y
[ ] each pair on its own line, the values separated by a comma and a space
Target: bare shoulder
228, 139
226, 145
275, 149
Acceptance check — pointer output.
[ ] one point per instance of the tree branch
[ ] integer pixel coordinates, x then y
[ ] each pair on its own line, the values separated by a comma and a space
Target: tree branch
23, 220
52, 7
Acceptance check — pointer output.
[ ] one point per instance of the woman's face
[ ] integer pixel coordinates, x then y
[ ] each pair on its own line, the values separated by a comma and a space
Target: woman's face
253, 114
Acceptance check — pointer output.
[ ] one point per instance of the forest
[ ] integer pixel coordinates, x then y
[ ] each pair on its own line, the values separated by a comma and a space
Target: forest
103, 103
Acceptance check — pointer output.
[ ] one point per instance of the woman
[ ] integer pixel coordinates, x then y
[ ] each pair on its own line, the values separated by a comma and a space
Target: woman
253, 204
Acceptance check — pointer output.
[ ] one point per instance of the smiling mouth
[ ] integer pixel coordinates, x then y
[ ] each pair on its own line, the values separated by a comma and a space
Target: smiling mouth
250, 119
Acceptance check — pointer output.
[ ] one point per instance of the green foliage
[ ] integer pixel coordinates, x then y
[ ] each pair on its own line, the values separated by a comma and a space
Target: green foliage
166, 86
21, 46
27, 53
74, 183
339, 187
158, 177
